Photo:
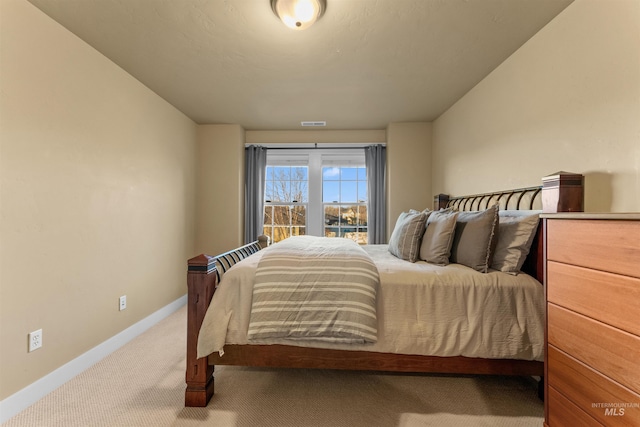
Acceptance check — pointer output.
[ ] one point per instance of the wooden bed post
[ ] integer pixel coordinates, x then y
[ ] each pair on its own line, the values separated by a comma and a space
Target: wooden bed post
263, 241
440, 201
563, 192
201, 281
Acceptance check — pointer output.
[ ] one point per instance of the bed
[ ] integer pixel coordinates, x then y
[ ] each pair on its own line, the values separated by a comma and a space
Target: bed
462, 350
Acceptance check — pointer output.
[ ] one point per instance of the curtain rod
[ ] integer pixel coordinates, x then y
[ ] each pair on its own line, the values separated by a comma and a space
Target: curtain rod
315, 146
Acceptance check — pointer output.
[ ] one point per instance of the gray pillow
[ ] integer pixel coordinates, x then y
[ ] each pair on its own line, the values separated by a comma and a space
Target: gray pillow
438, 237
475, 238
407, 234
516, 230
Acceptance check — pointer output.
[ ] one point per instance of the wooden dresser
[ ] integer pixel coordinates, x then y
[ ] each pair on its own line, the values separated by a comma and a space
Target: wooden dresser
592, 283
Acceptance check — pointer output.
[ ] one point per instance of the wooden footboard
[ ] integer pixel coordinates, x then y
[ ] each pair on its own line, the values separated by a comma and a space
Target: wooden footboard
560, 192
203, 274
201, 282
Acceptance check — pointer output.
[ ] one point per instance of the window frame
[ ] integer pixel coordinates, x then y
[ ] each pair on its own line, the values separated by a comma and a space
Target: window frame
316, 159
292, 160
357, 231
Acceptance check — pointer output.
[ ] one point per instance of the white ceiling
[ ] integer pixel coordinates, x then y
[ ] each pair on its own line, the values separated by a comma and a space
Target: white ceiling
364, 64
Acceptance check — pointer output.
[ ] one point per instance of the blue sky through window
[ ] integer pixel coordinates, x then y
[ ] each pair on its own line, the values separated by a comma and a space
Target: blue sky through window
344, 184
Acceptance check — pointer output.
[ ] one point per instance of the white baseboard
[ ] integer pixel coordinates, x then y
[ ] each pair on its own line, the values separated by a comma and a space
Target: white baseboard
29, 395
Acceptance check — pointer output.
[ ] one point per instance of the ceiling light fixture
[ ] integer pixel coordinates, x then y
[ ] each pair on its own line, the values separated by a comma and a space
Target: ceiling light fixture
298, 14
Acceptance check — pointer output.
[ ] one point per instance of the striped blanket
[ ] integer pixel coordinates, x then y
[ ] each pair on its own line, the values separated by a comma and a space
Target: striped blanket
315, 288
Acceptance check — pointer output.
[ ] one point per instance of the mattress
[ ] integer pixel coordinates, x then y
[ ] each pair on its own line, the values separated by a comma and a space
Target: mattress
422, 309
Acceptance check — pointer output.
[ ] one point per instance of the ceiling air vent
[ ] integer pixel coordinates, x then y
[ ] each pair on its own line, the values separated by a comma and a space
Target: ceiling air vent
313, 124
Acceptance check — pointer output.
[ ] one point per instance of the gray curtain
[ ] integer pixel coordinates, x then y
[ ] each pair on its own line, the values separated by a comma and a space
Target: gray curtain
376, 162
255, 166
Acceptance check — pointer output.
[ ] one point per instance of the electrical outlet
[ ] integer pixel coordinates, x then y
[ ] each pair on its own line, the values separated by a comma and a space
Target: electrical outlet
123, 302
35, 340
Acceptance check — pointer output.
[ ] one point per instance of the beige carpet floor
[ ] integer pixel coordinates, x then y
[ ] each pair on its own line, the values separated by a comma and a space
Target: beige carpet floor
142, 384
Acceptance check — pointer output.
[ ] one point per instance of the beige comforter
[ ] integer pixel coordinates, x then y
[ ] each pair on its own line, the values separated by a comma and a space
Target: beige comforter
422, 309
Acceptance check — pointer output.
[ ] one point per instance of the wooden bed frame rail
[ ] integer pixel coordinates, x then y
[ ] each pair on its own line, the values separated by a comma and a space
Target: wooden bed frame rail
561, 192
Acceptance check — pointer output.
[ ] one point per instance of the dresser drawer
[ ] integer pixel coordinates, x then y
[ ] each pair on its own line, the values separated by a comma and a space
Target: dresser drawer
610, 298
612, 246
612, 352
563, 413
591, 391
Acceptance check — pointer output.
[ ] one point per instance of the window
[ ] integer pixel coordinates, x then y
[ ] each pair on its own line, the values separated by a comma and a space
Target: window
344, 198
286, 197
320, 192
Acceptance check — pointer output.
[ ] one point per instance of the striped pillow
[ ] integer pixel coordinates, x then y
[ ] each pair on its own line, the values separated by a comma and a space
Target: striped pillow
407, 235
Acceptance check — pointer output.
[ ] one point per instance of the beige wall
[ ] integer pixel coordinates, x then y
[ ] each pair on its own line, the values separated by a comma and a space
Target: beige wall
569, 99
408, 169
220, 215
314, 135
97, 197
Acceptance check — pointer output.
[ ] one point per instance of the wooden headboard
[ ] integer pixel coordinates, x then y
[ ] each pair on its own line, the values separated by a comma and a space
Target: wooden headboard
560, 192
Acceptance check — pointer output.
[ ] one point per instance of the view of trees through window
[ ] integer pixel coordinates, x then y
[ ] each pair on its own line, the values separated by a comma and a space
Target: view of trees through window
286, 201
343, 202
